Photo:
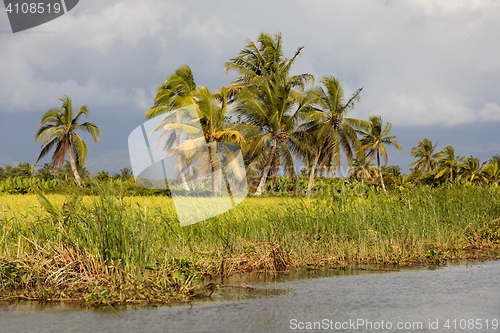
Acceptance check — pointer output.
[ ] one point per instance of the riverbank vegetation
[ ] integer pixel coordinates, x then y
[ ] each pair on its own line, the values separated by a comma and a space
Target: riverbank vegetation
109, 249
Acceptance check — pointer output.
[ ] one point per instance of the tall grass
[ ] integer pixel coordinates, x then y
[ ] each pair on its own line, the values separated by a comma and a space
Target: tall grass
107, 237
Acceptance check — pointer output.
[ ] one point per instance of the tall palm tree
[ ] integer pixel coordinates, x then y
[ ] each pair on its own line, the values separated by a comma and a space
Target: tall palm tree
206, 127
263, 61
426, 156
447, 163
269, 100
213, 110
270, 114
58, 129
470, 169
178, 91
375, 139
334, 132
361, 167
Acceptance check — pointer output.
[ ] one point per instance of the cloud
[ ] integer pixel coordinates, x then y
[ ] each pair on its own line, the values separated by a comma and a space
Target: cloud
490, 112
420, 62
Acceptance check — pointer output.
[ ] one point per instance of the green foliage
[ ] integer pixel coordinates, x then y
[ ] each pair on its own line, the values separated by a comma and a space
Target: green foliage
103, 176
19, 185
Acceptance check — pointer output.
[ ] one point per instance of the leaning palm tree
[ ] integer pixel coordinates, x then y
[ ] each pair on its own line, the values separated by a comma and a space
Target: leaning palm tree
58, 129
447, 163
334, 132
426, 156
268, 101
470, 170
375, 139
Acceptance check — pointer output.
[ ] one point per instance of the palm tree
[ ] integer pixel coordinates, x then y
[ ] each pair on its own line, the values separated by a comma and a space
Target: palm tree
391, 173
374, 140
491, 171
263, 61
470, 169
216, 130
178, 91
447, 163
206, 126
426, 156
266, 102
361, 167
58, 129
333, 131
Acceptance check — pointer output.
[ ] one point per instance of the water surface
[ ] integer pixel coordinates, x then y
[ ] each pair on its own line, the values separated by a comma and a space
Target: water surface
290, 302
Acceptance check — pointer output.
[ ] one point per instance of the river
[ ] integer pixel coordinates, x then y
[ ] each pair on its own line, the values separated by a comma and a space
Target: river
456, 298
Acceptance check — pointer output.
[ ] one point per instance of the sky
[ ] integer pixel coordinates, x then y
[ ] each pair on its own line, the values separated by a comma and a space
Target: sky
431, 68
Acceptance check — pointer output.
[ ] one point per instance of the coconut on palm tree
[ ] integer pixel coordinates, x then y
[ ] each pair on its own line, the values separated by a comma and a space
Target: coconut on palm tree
58, 130
375, 140
333, 131
269, 100
426, 156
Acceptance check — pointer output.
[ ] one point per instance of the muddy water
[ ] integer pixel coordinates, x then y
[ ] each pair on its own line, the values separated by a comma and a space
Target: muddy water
410, 300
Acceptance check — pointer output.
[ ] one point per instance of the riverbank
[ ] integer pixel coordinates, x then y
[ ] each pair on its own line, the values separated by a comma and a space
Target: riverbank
109, 249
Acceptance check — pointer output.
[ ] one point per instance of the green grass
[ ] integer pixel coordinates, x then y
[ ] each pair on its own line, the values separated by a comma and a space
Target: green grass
102, 248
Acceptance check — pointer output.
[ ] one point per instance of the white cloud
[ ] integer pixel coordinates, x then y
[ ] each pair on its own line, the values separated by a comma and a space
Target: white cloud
490, 112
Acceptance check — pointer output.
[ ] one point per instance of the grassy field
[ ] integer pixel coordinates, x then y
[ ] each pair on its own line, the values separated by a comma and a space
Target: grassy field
107, 249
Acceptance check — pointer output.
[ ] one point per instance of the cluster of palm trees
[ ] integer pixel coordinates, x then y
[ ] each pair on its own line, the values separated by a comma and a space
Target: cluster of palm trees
446, 165
276, 117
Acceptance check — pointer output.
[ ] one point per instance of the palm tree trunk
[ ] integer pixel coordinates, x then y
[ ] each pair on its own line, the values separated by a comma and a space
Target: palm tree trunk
297, 184
191, 175
183, 176
262, 182
214, 189
311, 175
179, 163
73, 166
380, 172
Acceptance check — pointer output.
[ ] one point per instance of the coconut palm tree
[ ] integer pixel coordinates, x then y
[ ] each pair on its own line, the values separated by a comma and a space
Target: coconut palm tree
268, 101
426, 156
178, 91
375, 139
470, 169
447, 163
263, 61
334, 132
491, 170
207, 127
361, 167
271, 114
58, 129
